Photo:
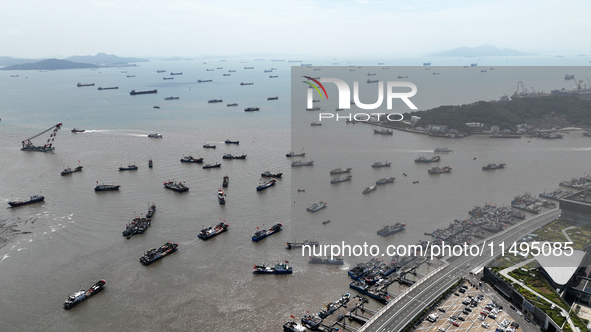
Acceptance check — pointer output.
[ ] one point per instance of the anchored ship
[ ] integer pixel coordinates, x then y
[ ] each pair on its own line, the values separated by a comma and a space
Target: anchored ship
423, 159
230, 156
176, 186
130, 167
316, 207
209, 232
190, 159
79, 297
381, 164
133, 92
493, 166
154, 254
33, 199
293, 154
388, 230
384, 180
438, 150
340, 171
261, 234
271, 175
299, 163
70, 170
266, 185
326, 260
370, 189
279, 268
106, 187
437, 170
338, 179
221, 196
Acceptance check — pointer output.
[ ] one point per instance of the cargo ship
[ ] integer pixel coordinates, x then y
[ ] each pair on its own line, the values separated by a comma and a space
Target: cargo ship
388, 230
248, 83
154, 254
273, 98
133, 92
251, 109
79, 297
130, 167
33, 199
171, 98
84, 84
231, 142
209, 232
232, 104
218, 165
279, 268
213, 101
204, 81
261, 234
179, 73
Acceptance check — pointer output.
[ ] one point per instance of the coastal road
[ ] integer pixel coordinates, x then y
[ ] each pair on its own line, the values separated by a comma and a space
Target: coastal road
397, 314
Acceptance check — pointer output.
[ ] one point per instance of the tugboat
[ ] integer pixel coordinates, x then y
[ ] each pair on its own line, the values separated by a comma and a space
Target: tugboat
218, 165
208, 146
231, 142
293, 154
279, 268
298, 163
176, 186
370, 189
384, 180
316, 207
190, 159
154, 254
70, 170
493, 166
130, 167
106, 187
76, 130
340, 171
423, 159
437, 170
221, 197
266, 185
34, 199
381, 164
388, 230
209, 232
338, 179
225, 181
261, 234
78, 297
326, 260
268, 174
230, 156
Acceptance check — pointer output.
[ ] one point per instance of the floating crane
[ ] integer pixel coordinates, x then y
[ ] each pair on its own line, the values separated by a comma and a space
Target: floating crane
28, 145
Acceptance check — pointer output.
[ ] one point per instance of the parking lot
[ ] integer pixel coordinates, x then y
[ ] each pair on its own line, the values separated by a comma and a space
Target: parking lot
470, 311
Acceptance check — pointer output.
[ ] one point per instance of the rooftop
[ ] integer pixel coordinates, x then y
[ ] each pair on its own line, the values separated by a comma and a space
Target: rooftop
561, 267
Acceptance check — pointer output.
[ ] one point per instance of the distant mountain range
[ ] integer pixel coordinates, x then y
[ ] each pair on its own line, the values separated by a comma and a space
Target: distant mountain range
73, 62
483, 50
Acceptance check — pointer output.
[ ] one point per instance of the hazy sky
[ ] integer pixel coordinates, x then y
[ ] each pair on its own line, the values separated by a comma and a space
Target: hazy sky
150, 28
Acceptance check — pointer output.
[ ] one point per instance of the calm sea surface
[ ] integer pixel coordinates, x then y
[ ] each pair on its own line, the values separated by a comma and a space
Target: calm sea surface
75, 235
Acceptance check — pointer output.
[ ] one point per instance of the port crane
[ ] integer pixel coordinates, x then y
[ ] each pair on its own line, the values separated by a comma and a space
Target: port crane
28, 145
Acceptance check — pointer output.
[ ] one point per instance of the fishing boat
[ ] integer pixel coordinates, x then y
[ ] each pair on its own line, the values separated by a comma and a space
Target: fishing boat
279, 268
261, 234
176, 186
190, 159
155, 254
230, 156
70, 170
381, 164
385, 180
207, 166
317, 206
423, 159
370, 189
266, 185
293, 154
326, 260
339, 179
106, 187
209, 232
221, 196
80, 296
299, 163
225, 181
130, 167
340, 171
33, 199
271, 175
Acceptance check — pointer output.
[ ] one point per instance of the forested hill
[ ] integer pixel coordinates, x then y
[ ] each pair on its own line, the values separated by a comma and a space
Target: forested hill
508, 114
